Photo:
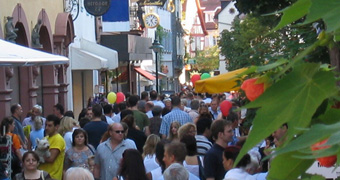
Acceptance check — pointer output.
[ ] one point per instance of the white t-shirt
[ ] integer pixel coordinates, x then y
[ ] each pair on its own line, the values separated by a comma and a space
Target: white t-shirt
109, 120
68, 140
238, 174
150, 163
156, 173
194, 169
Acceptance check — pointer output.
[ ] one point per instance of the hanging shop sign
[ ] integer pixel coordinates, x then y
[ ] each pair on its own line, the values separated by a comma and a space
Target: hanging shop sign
151, 2
97, 7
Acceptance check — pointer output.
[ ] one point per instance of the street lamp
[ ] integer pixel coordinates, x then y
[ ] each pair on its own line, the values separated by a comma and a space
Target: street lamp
157, 48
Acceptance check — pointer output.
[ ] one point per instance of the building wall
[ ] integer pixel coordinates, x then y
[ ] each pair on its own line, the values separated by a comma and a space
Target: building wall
84, 24
32, 9
225, 19
80, 90
166, 57
27, 81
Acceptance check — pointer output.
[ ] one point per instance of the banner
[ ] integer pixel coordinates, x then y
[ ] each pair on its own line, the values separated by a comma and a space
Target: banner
117, 17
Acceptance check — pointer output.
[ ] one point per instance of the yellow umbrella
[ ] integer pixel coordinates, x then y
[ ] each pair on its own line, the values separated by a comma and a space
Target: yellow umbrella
221, 83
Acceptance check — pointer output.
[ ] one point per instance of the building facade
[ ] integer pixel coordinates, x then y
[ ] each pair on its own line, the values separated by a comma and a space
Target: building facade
44, 85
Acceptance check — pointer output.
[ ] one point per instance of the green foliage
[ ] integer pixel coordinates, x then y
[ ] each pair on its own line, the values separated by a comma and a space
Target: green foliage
305, 89
328, 12
207, 60
315, 10
160, 33
287, 167
293, 13
302, 93
261, 6
312, 177
247, 44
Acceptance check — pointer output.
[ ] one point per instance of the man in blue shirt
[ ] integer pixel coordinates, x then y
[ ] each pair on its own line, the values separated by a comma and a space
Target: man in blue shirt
96, 128
109, 153
214, 108
176, 114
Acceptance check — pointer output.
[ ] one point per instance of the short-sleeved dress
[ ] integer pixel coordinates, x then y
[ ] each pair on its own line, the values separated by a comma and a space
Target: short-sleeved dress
78, 159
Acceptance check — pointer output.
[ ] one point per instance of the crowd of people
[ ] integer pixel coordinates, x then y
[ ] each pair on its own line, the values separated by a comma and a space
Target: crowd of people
152, 137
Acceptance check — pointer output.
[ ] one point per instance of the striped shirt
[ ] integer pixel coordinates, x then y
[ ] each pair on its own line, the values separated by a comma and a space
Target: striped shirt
203, 145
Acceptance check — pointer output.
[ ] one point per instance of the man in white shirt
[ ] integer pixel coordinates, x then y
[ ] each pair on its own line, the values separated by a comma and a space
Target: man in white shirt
148, 109
108, 113
36, 111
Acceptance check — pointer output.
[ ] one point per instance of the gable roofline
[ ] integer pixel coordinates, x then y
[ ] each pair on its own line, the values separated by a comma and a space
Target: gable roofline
200, 15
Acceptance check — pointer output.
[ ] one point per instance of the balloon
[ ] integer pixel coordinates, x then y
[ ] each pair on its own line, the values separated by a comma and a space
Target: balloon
195, 78
225, 106
120, 97
205, 76
112, 97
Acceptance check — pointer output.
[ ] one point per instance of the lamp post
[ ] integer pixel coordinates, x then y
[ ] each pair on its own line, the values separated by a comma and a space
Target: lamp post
157, 48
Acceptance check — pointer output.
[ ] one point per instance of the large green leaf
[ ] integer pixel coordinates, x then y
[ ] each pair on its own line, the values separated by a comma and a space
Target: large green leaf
312, 177
293, 13
286, 167
315, 134
250, 70
337, 35
331, 116
297, 59
272, 65
328, 11
319, 153
294, 99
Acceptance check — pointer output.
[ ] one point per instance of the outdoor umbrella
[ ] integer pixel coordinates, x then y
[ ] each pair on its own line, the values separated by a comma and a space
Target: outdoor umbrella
221, 83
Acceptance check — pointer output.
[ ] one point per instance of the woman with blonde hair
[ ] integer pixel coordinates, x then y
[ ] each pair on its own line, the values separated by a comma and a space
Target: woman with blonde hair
173, 134
149, 155
187, 129
67, 128
66, 124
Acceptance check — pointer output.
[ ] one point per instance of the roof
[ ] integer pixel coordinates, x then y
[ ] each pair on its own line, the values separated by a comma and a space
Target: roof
211, 26
210, 5
224, 3
201, 17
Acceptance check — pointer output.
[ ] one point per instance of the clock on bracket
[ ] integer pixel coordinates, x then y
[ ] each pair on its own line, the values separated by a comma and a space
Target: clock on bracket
72, 7
151, 20
68, 5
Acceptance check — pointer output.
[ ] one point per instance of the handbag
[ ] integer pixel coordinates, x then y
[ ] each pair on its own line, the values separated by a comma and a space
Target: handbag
201, 170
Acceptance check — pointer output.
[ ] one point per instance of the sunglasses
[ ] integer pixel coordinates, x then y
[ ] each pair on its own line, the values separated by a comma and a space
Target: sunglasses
119, 132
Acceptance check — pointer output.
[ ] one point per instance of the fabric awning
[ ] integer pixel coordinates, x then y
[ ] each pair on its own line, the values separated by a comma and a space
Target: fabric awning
83, 60
87, 55
160, 74
145, 74
221, 83
16, 55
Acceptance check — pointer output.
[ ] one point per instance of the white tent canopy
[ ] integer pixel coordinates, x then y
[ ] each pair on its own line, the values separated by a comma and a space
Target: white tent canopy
16, 55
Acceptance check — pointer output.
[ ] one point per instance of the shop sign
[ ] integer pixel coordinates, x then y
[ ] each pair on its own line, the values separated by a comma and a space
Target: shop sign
97, 7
